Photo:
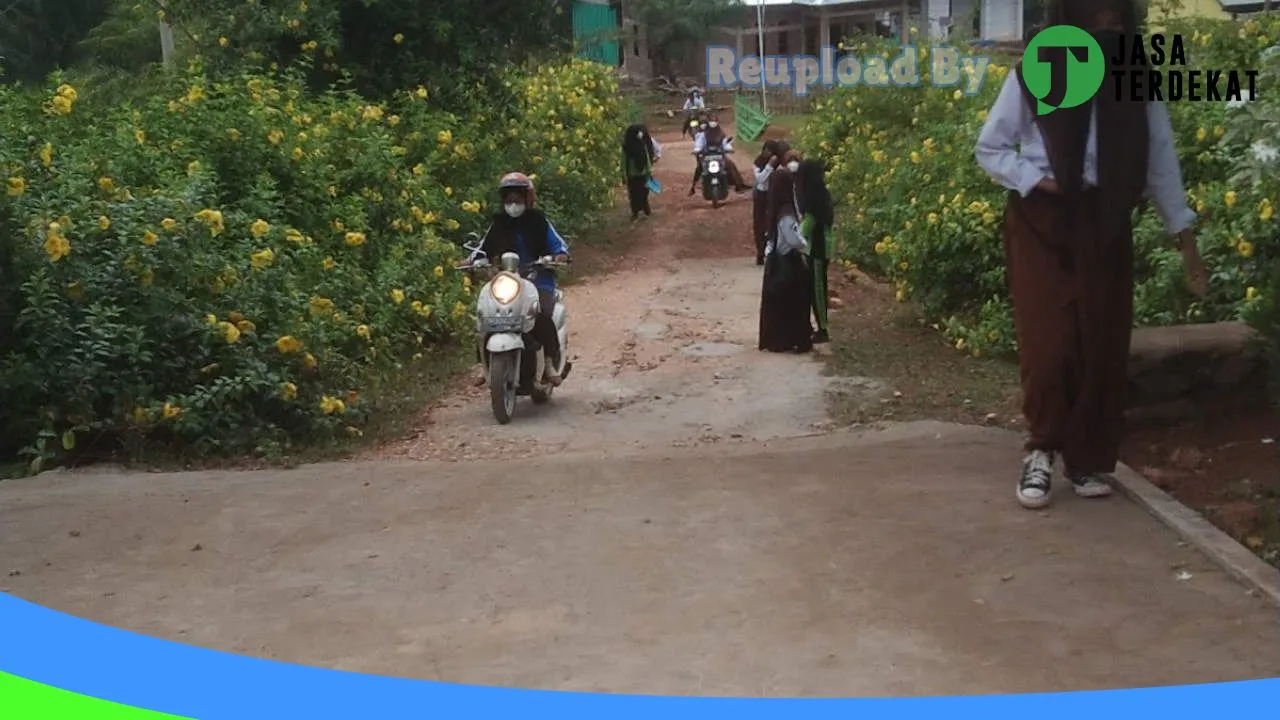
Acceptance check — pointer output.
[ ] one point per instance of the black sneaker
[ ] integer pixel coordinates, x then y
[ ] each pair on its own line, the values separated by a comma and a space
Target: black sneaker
1035, 487
821, 337
1091, 485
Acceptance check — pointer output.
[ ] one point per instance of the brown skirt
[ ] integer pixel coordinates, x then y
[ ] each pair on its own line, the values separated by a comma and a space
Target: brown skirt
1071, 280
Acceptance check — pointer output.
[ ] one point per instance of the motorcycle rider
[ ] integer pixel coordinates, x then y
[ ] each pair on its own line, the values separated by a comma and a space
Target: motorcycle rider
693, 104
710, 136
526, 231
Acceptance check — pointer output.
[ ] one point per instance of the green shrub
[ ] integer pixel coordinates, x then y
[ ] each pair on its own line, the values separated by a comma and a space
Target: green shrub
231, 263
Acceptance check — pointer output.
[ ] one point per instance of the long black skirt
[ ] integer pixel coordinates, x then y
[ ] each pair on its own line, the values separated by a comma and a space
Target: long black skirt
784, 304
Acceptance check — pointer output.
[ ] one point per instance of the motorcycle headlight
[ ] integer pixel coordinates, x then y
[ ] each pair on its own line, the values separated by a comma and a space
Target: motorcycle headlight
504, 289
713, 166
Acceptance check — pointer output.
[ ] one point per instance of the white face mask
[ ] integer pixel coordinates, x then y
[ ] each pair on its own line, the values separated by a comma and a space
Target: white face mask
515, 210
793, 166
713, 123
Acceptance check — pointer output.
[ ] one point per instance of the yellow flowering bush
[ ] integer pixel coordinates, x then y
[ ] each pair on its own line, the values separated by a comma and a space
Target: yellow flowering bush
229, 263
917, 210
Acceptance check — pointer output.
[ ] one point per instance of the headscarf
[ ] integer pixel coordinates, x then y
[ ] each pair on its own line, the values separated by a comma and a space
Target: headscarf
1122, 124
815, 198
637, 145
714, 135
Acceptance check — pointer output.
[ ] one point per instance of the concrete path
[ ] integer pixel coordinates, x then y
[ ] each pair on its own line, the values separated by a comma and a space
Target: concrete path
887, 563
663, 526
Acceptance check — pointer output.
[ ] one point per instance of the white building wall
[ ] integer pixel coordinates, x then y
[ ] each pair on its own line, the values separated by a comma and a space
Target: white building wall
1001, 19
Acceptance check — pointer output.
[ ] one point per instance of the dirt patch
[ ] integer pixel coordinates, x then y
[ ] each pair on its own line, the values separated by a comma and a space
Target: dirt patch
875, 336
1225, 466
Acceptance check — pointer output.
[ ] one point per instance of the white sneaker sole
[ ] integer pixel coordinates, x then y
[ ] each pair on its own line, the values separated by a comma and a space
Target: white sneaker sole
1093, 490
1033, 503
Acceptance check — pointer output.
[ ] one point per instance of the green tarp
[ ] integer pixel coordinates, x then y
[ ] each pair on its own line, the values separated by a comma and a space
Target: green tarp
595, 30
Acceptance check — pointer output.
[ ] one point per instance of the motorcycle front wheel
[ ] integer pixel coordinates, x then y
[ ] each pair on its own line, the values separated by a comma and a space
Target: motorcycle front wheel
502, 386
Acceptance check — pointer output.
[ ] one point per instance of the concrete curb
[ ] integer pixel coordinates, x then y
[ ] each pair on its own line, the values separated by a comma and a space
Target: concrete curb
1234, 559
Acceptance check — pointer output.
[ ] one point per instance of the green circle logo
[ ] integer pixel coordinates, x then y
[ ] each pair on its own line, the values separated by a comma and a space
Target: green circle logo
1063, 67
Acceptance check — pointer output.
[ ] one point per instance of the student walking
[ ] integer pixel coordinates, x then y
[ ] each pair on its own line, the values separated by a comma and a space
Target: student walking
1075, 177
818, 216
638, 155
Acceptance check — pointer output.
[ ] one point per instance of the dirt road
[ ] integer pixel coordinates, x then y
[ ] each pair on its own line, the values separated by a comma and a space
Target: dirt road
664, 349
669, 532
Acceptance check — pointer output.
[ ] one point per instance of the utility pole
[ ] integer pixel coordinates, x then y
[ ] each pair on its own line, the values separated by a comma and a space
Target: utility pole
166, 36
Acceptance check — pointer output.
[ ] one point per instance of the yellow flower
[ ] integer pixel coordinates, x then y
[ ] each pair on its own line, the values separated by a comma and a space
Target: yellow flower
444, 137
298, 154
1201, 134
17, 186
223, 42
61, 105
459, 309
68, 92
452, 224
438, 271
1219, 131
262, 259
212, 219
170, 411
1230, 198
900, 296
309, 361
354, 239
881, 248
331, 405
149, 238
246, 326
259, 228
288, 344
104, 222
233, 134
230, 332
328, 263
56, 245
1245, 248
398, 38
471, 207
288, 391
211, 319
397, 296
321, 306
107, 184
167, 224
1251, 294
309, 46
1265, 210
364, 331
46, 154
960, 344
275, 137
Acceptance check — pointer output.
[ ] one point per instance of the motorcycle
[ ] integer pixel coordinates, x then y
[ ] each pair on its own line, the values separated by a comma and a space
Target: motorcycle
506, 308
715, 174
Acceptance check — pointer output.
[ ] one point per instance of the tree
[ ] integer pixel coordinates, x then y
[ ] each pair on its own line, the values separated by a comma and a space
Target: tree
38, 36
676, 28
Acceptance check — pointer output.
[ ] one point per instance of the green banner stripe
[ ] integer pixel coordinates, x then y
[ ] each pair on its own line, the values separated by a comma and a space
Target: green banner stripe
22, 699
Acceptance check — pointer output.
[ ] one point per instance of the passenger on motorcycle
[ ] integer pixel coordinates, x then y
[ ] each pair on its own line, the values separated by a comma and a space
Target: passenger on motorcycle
526, 231
710, 137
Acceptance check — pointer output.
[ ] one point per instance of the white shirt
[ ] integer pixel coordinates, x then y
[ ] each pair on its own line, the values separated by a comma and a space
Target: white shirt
700, 143
657, 149
695, 102
1011, 150
763, 175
